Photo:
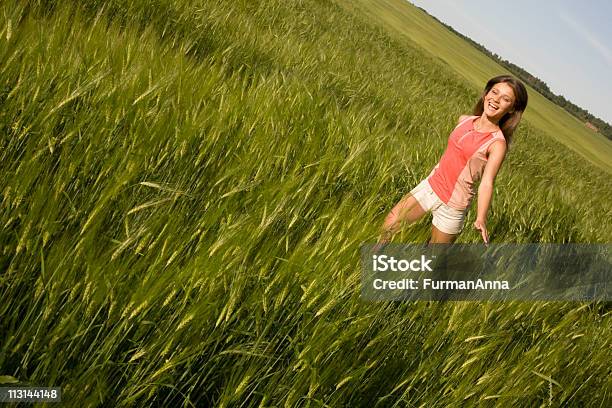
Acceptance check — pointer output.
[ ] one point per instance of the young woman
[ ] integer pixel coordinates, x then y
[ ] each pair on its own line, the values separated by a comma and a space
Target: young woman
476, 149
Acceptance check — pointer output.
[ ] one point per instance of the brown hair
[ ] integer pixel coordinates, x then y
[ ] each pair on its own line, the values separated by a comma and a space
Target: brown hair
509, 121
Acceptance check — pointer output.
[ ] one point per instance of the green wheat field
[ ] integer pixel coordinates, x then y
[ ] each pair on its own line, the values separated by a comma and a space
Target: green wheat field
185, 187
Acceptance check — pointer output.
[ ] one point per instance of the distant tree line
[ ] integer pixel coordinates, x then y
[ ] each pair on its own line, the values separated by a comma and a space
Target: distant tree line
536, 83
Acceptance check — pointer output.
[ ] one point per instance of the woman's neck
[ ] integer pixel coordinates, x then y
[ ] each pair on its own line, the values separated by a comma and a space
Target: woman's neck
486, 124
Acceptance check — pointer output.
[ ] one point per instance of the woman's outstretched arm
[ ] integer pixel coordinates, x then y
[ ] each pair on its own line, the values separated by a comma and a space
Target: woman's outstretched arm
485, 190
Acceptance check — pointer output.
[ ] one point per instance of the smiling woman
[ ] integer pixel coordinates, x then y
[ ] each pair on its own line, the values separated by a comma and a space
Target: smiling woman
501, 97
476, 149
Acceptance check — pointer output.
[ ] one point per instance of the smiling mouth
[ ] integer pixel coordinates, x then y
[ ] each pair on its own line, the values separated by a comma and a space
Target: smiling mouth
493, 107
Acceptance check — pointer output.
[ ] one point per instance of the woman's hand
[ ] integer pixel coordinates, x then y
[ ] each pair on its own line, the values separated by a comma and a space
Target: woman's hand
380, 245
480, 225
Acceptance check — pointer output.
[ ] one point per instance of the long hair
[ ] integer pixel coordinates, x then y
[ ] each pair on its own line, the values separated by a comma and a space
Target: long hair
509, 121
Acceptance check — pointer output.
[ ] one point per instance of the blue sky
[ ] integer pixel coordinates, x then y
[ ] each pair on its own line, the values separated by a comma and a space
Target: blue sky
567, 44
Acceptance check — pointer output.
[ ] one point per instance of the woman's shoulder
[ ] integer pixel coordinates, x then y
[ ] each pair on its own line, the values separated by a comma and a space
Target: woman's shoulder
498, 142
463, 119
498, 134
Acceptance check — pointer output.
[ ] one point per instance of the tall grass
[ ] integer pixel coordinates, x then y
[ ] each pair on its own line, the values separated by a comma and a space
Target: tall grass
184, 190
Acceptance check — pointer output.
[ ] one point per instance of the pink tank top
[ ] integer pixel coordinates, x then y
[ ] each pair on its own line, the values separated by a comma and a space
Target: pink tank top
453, 178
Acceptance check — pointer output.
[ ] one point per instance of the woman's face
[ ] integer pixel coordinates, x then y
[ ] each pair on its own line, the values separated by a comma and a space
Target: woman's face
499, 100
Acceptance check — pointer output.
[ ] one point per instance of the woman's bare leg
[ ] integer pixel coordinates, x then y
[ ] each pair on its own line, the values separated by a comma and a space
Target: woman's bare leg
439, 237
406, 211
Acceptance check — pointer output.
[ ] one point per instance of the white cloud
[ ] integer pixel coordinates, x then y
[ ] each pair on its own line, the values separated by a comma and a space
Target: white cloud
588, 36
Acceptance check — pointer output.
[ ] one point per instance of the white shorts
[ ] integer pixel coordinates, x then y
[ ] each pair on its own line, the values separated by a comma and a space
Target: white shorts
445, 218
